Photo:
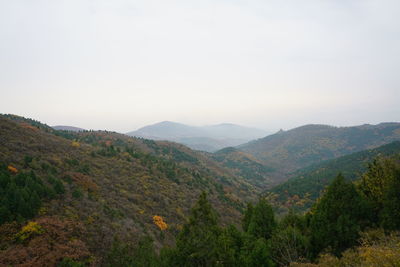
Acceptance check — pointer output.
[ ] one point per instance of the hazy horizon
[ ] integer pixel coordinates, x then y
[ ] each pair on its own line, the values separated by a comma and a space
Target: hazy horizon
122, 65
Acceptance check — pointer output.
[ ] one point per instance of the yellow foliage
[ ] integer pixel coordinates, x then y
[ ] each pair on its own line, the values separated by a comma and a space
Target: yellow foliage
75, 144
43, 211
12, 169
376, 249
90, 220
29, 230
158, 220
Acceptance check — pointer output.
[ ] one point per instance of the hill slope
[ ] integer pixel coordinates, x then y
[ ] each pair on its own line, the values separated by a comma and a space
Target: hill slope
206, 138
307, 184
306, 145
113, 185
67, 128
245, 165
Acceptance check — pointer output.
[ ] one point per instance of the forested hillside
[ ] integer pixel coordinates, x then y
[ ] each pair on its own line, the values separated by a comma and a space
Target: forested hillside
301, 191
246, 166
96, 198
109, 185
288, 151
352, 224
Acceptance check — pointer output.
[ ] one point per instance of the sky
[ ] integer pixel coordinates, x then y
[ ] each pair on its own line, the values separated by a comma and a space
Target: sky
272, 64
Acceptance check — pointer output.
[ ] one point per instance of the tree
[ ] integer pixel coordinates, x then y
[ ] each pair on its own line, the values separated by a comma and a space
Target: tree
197, 243
380, 185
262, 222
337, 217
256, 253
290, 241
247, 217
230, 243
140, 255
289, 245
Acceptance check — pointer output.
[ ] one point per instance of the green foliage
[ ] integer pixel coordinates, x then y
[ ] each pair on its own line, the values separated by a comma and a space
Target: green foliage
67, 262
256, 253
244, 165
309, 182
289, 245
287, 151
197, 243
262, 222
21, 195
380, 185
127, 255
247, 217
338, 217
230, 243
77, 193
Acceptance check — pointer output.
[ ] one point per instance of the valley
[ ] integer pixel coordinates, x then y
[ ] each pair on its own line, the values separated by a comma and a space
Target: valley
110, 186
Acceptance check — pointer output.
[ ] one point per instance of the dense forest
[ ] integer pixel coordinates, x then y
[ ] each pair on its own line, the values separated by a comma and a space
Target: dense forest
352, 224
104, 199
307, 184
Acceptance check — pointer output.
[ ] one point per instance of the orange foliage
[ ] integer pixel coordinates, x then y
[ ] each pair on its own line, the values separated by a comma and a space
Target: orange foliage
28, 126
158, 220
83, 180
12, 169
75, 144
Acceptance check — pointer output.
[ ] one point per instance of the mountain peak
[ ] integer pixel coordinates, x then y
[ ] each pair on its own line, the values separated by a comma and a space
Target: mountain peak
207, 138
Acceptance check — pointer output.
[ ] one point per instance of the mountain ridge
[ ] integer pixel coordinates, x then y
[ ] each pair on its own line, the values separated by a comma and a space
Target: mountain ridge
306, 184
67, 128
309, 144
118, 182
208, 138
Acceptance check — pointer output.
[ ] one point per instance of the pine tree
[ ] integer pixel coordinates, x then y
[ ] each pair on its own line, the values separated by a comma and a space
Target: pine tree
380, 185
337, 217
197, 243
230, 243
262, 222
256, 253
247, 217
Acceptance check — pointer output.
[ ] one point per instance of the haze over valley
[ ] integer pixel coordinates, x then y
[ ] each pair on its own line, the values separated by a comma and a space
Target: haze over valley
199, 133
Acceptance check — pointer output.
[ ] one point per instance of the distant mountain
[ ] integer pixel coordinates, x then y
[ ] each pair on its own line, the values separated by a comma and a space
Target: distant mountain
67, 128
309, 144
206, 138
306, 185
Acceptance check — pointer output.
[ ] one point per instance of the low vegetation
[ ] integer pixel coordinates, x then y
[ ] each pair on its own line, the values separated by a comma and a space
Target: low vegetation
105, 199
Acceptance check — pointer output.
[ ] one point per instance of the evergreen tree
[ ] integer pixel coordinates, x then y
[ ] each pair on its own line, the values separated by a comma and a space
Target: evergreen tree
256, 253
337, 217
262, 222
247, 217
290, 241
230, 243
197, 243
380, 185
144, 254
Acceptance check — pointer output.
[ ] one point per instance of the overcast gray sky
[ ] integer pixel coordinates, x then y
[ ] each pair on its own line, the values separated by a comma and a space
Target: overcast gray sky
122, 64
